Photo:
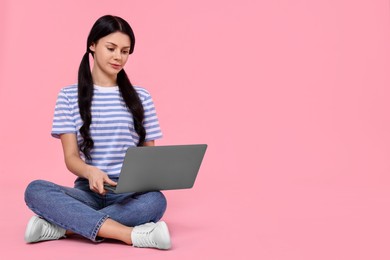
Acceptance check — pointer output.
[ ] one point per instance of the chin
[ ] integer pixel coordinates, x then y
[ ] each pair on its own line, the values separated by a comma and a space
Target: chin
112, 72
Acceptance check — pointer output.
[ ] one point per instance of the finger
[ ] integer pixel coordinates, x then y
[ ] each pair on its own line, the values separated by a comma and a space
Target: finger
101, 189
111, 182
92, 187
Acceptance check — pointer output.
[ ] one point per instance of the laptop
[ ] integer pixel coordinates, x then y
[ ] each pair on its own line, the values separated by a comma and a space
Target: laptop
150, 168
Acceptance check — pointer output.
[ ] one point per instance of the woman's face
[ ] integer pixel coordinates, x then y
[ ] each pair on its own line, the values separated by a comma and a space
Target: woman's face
110, 54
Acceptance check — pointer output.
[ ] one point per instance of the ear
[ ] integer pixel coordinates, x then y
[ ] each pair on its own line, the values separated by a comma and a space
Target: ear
92, 47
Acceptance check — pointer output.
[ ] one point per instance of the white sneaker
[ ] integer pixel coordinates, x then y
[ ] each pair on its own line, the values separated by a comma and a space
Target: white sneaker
39, 229
151, 234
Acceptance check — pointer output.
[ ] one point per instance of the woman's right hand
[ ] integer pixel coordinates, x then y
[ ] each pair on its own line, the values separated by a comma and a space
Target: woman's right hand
97, 178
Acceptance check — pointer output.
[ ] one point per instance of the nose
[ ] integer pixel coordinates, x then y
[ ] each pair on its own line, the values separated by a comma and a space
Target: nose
117, 55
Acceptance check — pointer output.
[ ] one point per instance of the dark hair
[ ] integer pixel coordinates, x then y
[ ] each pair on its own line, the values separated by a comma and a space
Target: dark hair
104, 26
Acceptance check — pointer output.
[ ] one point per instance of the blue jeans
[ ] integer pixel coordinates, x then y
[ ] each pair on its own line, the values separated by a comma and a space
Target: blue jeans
82, 211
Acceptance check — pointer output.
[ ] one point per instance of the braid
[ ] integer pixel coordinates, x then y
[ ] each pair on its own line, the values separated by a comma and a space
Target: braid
85, 93
133, 102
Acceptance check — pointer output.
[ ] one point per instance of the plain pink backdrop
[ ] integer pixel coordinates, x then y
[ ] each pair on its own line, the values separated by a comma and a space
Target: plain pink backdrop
290, 96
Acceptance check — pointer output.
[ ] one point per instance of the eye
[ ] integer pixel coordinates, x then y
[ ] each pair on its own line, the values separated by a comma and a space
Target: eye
125, 52
110, 49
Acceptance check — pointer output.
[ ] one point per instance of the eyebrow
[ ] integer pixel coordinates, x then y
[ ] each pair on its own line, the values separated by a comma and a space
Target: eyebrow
117, 45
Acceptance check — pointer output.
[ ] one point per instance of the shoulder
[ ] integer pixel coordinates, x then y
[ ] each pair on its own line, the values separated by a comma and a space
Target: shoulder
142, 93
69, 90
68, 93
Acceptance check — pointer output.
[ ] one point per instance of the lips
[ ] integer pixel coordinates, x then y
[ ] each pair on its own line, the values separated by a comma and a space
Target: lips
116, 66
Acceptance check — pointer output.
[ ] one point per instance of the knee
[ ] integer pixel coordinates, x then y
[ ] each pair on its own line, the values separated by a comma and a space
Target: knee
35, 190
159, 199
157, 204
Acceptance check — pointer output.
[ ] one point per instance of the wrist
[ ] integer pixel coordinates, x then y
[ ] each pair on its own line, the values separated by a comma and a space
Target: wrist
88, 171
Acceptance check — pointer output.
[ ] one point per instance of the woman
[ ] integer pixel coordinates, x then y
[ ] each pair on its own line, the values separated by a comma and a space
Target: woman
97, 119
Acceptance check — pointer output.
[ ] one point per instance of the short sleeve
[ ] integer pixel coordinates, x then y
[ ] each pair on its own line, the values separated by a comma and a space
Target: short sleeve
63, 121
151, 124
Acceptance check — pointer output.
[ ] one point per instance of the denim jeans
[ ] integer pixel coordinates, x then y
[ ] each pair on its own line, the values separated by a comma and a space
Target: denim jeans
82, 211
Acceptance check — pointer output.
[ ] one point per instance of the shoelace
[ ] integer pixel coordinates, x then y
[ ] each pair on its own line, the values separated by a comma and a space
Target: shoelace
50, 231
144, 240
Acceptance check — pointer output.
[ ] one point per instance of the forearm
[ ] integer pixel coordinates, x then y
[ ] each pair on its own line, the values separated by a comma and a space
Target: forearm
77, 166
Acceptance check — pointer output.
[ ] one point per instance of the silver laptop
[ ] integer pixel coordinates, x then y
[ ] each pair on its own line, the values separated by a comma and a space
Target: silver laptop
150, 168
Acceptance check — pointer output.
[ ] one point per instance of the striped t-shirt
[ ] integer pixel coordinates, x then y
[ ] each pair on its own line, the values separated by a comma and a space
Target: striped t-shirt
112, 127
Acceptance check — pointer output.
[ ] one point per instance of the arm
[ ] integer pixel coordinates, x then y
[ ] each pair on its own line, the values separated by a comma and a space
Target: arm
77, 166
149, 143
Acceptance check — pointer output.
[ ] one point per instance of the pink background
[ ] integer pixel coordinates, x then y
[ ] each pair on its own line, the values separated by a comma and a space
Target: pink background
291, 96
